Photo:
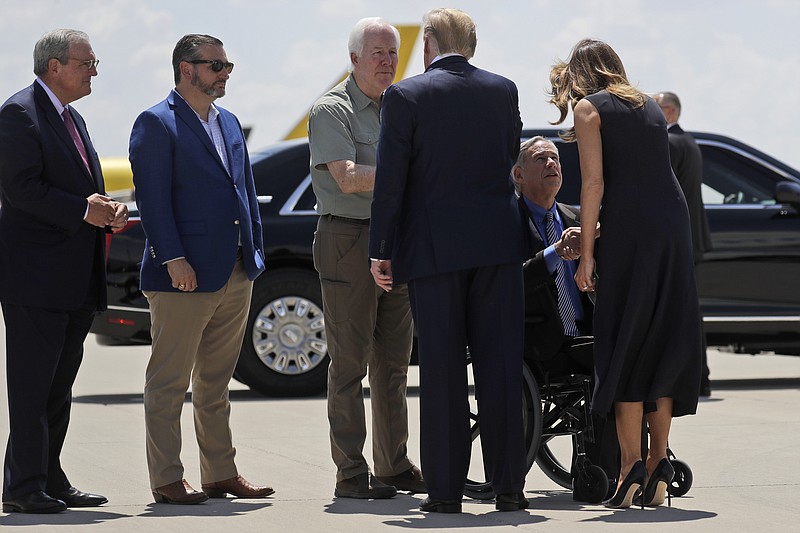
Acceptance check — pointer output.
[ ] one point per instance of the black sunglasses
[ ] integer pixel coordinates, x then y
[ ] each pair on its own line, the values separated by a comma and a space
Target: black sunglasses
216, 64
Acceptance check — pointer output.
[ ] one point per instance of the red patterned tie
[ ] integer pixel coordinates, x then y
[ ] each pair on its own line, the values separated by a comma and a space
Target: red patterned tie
73, 132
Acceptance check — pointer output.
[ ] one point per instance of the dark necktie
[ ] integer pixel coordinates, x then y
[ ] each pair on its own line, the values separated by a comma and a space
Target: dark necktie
565, 308
73, 132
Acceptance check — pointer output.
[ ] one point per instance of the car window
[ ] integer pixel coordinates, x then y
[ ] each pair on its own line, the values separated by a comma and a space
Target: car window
732, 178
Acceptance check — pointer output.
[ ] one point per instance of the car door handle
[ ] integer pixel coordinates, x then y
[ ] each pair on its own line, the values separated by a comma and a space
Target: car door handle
264, 199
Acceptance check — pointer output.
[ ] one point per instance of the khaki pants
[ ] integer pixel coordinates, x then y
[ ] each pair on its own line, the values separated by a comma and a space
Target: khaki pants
367, 330
195, 335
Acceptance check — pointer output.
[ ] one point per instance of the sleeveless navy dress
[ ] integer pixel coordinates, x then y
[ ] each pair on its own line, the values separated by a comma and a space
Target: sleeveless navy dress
647, 322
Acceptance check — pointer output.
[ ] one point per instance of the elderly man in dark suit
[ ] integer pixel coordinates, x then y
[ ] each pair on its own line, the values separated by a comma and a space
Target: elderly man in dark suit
197, 199
687, 164
53, 218
444, 219
555, 310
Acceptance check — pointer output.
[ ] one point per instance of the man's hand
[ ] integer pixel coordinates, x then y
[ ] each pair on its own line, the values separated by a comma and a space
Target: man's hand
568, 246
382, 273
102, 210
121, 216
182, 274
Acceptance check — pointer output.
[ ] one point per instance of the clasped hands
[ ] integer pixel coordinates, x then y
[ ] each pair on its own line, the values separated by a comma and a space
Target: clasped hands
568, 247
104, 211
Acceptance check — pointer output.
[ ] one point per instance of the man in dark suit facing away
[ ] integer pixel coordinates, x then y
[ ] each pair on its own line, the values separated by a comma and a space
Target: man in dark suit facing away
444, 219
687, 164
53, 219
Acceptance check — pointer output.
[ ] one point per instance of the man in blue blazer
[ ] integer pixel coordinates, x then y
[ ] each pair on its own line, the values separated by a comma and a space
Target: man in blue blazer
53, 215
444, 219
198, 206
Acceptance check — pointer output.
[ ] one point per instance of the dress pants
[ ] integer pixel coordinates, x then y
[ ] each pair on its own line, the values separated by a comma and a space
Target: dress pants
367, 329
44, 350
480, 308
197, 336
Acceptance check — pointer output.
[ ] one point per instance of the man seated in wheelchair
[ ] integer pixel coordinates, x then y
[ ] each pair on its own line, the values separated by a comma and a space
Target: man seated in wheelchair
558, 316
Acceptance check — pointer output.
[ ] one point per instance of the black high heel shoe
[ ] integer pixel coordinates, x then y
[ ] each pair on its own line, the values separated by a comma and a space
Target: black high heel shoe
630, 487
659, 483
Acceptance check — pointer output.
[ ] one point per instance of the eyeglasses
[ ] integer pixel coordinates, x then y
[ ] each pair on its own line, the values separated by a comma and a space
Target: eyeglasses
89, 63
216, 64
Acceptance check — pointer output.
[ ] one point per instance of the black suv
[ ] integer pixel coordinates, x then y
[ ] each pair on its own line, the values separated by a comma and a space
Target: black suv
745, 282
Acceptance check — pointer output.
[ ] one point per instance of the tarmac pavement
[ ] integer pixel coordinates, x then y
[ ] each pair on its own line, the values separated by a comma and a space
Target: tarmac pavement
741, 446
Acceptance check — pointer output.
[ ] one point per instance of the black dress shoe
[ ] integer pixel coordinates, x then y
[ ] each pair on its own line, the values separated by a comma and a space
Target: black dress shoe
33, 502
363, 487
409, 481
76, 498
432, 505
513, 501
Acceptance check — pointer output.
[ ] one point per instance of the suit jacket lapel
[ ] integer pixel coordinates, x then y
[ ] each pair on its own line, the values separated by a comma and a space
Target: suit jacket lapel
538, 243
57, 123
231, 132
97, 175
188, 116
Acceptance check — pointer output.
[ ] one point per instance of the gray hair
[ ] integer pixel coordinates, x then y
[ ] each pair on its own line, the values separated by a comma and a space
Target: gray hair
523, 156
525, 146
355, 44
55, 45
187, 49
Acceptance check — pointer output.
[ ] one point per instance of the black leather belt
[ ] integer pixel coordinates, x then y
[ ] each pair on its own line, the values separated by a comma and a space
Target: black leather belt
360, 221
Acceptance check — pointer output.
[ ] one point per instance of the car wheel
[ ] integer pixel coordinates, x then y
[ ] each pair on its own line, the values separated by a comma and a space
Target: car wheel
285, 351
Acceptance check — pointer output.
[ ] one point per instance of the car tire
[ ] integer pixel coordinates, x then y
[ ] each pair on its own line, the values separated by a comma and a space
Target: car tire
285, 351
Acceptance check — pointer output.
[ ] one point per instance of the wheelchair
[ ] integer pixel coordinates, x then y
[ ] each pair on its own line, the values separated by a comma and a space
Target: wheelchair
555, 410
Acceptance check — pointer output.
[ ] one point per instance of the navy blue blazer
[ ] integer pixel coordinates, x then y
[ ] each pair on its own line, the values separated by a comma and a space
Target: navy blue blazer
47, 250
189, 205
445, 202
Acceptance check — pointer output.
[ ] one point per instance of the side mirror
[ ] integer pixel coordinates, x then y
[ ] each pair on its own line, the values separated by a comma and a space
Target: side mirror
788, 192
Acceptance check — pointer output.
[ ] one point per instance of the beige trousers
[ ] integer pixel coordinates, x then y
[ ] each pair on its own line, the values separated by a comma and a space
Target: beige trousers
196, 336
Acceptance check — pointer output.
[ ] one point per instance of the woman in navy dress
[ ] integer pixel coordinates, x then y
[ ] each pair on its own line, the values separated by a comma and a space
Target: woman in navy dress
647, 323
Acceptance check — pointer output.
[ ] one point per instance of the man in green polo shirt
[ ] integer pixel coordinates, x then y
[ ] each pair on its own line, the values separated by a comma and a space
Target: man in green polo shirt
366, 327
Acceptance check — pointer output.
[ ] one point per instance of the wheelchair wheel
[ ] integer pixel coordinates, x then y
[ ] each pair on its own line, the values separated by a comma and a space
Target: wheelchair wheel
554, 456
478, 486
682, 481
591, 484
551, 465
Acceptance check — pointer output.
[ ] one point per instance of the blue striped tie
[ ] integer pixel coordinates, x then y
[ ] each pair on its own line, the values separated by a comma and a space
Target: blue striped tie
565, 308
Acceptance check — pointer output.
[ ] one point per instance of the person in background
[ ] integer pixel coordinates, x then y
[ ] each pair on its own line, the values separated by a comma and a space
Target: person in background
369, 331
203, 249
647, 325
444, 219
687, 164
53, 218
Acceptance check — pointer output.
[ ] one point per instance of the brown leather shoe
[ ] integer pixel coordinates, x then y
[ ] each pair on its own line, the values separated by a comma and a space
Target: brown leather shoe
363, 486
180, 493
238, 487
409, 481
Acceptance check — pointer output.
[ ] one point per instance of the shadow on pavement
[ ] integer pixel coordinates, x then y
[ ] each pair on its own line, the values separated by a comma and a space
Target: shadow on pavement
210, 508
652, 515
70, 517
476, 513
